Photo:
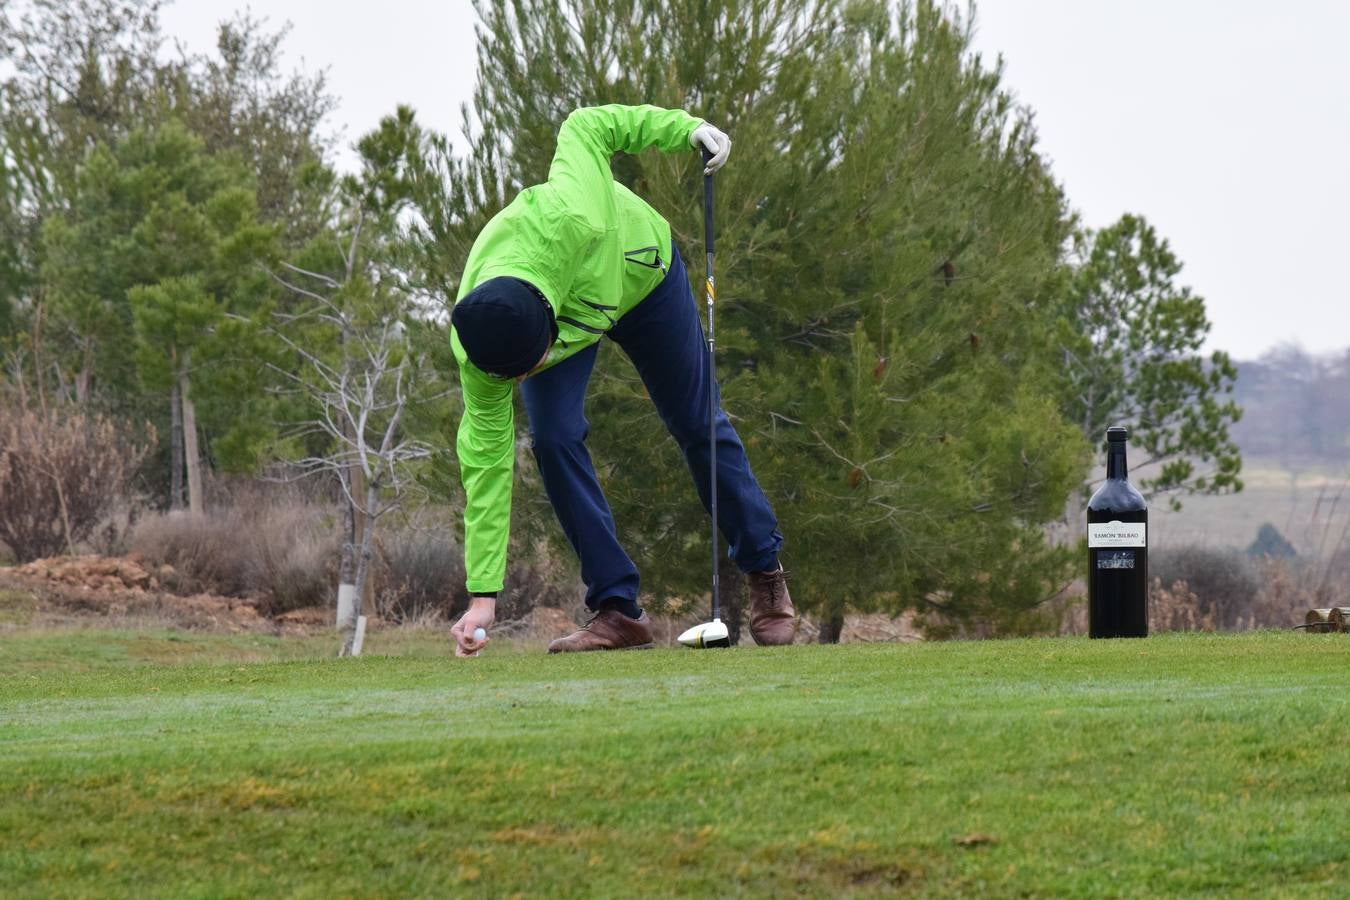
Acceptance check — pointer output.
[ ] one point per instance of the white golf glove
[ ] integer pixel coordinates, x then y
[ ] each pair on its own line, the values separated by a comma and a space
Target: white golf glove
716, 142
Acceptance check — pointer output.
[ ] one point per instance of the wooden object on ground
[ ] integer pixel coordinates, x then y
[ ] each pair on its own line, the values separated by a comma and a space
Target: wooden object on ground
1319, 620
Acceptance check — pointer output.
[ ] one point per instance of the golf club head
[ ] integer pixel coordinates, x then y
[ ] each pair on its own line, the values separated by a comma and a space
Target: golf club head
708, 634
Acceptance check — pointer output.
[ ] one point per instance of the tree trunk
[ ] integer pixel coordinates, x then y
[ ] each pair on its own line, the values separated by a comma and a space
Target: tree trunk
85, 375
831, 627
176, 450
347, 561
733, 597
46, 415
362, 567
354, 521
38, 362
360, 523
191, 456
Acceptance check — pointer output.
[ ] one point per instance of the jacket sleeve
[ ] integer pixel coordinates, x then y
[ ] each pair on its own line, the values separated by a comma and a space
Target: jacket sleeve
580, 177
590, 136
485, 445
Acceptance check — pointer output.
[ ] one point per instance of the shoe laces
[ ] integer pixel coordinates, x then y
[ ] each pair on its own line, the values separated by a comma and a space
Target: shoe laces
596, 615
777, 587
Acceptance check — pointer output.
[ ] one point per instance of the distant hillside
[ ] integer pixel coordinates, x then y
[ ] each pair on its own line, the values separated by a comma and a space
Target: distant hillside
1295, 441
1295, 408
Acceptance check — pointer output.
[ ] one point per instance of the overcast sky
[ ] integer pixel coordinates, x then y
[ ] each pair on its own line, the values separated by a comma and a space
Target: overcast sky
1226, 123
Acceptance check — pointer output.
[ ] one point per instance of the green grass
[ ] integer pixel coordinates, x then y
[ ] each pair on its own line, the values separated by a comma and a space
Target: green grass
92, 650
1181, 765
16, 607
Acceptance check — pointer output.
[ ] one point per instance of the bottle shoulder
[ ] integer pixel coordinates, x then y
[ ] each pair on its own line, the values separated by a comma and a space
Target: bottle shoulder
1117, 495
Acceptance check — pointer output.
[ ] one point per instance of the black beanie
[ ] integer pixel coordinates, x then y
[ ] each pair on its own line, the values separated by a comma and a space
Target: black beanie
505, 325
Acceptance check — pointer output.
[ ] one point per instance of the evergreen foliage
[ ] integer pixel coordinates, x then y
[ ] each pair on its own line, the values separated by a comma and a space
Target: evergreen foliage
1131, 344
161, 242
1269, 542
88, 212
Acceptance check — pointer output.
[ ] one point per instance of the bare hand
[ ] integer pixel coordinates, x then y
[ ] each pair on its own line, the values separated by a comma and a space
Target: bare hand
482, 613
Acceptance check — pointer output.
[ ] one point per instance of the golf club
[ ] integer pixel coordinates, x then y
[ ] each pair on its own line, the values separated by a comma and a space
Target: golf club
714, 633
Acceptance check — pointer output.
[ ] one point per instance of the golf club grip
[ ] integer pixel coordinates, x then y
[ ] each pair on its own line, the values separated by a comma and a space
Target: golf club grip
707, 205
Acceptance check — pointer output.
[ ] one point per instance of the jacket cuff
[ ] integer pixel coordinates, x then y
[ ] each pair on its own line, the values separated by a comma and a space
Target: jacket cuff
689, 133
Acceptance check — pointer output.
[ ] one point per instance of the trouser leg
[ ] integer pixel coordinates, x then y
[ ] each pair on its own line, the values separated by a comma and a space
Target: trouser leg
554, 401
664, 338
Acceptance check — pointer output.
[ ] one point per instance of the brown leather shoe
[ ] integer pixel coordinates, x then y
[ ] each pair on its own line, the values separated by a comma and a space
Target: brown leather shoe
773, 620
608, 629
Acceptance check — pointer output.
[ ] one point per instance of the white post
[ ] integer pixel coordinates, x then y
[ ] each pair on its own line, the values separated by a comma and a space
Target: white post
346, 605
360, 636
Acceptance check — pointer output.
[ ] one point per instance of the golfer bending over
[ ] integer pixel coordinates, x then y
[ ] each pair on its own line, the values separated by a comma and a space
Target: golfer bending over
568, 261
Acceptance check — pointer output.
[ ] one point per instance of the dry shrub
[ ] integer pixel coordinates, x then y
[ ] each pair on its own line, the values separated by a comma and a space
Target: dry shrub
294, 560
112, 536
59, 475
276, 547
1269, 592
425, 579
1224, 582
1289, 588
540, 579
423, 576
279, 545
1177, 608
206, 552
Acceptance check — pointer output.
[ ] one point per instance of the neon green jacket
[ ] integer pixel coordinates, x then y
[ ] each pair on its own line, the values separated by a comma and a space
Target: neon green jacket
595, 250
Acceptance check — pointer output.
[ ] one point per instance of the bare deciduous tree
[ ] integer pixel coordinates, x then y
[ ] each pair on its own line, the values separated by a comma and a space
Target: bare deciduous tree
359, 402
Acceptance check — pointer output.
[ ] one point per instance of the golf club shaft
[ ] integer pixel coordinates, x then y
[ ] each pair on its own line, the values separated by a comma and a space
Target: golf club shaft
710, 292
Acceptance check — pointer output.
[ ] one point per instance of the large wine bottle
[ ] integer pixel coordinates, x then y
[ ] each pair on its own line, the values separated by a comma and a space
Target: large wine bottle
1117, 522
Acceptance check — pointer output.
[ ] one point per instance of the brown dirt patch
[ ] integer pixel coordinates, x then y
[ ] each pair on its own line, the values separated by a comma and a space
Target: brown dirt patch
115, 589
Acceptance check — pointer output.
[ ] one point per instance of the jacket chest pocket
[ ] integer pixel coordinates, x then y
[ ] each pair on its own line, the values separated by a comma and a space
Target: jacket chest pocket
646, 257
643, 269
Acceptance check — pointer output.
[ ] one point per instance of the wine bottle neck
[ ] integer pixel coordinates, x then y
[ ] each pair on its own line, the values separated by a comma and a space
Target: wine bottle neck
1115, 462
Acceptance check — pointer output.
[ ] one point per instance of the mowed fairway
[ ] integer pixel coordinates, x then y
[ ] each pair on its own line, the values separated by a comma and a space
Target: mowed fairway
1182, 764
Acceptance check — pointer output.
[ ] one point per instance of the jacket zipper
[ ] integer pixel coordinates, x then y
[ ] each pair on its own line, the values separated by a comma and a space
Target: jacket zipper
601, 308
582, 325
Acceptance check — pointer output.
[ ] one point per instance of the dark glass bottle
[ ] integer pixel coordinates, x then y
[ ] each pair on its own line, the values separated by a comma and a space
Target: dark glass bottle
1117, 550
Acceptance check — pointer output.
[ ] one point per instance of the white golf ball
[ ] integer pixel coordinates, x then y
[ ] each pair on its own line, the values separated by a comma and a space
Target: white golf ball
479, 634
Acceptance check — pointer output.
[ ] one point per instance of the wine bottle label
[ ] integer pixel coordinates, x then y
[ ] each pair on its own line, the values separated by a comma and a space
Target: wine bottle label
1117, 534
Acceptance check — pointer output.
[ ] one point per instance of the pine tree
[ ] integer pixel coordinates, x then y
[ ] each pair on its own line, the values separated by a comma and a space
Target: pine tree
1131, 343
1270, 543
163, 241
78, 75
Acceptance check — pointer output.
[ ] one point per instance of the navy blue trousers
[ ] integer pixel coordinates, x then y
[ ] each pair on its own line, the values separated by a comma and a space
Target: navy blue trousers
663, 336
